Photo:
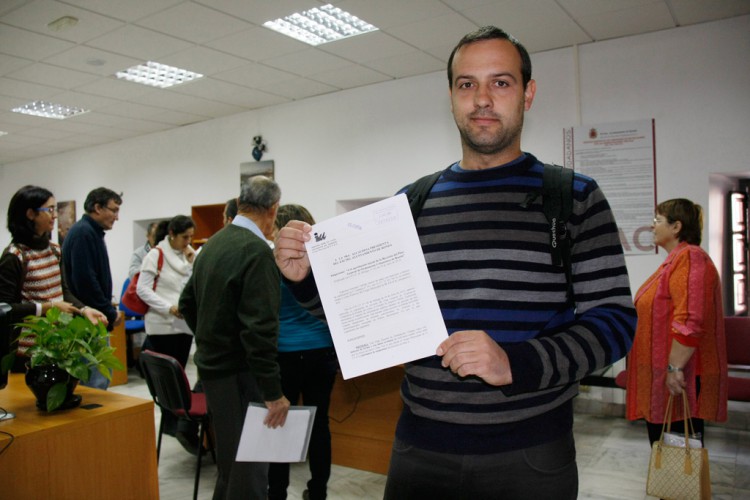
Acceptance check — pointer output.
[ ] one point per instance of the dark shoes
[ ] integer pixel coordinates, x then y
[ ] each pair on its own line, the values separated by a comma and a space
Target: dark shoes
189, 441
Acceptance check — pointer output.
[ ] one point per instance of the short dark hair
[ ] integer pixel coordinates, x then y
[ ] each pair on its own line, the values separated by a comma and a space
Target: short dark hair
28, 197
688, 213
179, 224
259, 194
100, 196
230, 210
293, 212
493, 33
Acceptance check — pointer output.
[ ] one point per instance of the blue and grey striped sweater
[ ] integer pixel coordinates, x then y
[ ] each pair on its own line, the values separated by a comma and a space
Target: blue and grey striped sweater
489, 260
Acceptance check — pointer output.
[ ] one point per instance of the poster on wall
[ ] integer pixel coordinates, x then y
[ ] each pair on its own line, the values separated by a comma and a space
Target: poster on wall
621, 158
253, 168
66, 217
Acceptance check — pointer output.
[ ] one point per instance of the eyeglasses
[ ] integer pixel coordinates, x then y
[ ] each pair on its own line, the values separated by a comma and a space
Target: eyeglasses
49, 210
661, 221
115, 210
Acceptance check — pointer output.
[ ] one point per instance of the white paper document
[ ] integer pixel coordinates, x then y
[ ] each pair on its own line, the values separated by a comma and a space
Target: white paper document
376, 291
286, 444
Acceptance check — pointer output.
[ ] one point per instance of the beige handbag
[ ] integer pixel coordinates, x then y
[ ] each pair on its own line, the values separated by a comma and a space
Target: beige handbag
678, 472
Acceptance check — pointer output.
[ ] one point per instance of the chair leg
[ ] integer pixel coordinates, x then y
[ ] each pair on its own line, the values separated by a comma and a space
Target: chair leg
198, 468
158, 444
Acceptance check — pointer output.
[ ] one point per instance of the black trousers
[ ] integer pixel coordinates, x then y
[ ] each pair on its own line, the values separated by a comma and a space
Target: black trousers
309, 374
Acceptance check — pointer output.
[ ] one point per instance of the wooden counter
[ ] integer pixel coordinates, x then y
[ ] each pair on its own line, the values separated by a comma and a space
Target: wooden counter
105, 451
363, 415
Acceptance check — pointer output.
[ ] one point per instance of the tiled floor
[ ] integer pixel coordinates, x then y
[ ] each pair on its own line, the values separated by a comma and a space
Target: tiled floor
613, 458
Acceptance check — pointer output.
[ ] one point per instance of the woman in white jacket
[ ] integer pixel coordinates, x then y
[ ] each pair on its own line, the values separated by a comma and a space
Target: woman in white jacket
165, 331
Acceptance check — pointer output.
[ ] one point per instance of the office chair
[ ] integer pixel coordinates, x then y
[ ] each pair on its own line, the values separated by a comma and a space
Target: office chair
169, 386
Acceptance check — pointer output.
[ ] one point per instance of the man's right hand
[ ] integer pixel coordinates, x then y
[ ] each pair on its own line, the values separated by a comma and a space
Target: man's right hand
289, 250
277, 412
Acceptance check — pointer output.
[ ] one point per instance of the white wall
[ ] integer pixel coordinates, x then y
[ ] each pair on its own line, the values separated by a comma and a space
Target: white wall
369, 142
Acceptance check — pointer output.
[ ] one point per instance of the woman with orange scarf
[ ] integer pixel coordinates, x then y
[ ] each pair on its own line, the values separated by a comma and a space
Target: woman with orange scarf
679, 341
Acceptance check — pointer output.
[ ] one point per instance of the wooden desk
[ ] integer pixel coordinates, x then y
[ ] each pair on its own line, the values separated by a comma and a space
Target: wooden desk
363, 415
104, 452
119, 342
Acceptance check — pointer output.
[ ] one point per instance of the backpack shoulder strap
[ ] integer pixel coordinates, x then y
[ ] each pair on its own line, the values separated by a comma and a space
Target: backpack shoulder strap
557, 203
419, 190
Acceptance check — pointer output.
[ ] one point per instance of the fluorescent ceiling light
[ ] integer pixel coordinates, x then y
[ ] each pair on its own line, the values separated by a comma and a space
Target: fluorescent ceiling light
49, 110
158, 75
320, 25
3, 133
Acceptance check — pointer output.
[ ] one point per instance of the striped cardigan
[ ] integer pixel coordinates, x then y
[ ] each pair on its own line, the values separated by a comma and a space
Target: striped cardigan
489, 261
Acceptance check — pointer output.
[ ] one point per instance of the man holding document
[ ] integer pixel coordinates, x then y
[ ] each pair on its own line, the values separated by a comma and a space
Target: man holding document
490, 415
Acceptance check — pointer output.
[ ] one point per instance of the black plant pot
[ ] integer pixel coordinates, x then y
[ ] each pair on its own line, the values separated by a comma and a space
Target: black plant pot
40, 380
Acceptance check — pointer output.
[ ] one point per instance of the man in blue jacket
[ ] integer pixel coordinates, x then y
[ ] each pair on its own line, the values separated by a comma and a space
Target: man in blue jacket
86, 261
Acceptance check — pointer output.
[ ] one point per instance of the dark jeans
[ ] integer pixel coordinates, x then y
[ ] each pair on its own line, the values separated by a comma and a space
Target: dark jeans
228, 399
540, 472
309, 374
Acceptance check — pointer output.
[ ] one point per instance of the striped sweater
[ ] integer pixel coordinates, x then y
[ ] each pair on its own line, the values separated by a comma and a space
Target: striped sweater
489, 261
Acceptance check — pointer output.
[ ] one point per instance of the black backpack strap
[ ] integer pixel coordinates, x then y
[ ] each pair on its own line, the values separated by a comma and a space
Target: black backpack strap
418, 192
557, 203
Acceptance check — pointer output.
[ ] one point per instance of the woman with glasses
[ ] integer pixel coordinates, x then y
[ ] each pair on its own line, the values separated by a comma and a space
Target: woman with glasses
679, 341
31, 279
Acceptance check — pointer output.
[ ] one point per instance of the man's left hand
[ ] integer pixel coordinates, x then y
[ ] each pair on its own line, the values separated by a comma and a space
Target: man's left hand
473, 352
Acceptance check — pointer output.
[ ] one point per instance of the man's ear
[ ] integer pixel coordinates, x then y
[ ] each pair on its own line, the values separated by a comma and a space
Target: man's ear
528, 94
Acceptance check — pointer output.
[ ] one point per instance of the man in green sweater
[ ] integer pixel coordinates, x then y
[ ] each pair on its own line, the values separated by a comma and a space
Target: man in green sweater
231, 303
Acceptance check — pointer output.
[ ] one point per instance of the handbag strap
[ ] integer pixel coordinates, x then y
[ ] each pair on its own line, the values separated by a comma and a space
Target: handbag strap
688, 427
159, 265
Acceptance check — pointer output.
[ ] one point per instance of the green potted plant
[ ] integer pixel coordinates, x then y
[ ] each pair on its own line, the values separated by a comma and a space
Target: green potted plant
65, 349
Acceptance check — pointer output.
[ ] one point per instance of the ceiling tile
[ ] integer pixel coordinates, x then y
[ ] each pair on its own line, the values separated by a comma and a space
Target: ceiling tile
700, 11
229, 93
9, 5
307, 62
254, 75
435, 31
194, 23
257, 44
413, 63
116, 89
259, 12
350, 77
644, 18
55, 75
8, 64
26, 90
125, 10
22, 43
83, 100
92, 60
35, 16
203, 60
367, 47
168, 99
299, 88
140, 43
539, 25
389, 13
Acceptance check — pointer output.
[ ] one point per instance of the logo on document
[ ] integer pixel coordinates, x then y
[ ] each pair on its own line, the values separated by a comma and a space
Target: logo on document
319, 237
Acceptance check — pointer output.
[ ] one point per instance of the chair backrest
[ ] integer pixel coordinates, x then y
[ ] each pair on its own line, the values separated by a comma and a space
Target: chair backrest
166, 381
123, 307
737, 331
